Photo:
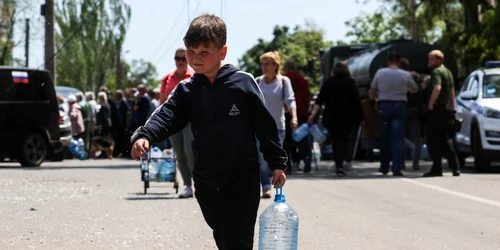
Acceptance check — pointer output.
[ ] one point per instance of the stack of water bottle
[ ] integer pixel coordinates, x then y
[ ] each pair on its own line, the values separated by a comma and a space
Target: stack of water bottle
77, 148
317, 131
161, 165
279, 225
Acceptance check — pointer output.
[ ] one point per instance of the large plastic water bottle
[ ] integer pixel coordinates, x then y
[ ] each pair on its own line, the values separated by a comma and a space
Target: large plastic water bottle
82, 154
278, 225
167, 166
318, 133
154, 163
301, 132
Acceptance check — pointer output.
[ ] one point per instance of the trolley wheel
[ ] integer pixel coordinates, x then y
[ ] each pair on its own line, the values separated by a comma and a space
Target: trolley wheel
146, 186
176, 186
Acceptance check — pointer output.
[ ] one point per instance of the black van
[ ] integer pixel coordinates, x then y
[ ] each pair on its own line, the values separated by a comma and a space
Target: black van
29, 116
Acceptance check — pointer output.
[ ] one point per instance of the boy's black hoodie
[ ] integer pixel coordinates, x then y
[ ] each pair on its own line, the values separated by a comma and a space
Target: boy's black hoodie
226, 117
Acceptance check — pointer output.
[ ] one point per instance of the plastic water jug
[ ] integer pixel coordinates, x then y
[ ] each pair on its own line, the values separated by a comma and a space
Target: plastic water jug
77, 148
278, 225
301, 132
81, 148
318, 133
154, 163
167, 165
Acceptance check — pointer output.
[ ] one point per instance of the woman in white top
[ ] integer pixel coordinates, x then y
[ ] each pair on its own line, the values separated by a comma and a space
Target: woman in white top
278, 95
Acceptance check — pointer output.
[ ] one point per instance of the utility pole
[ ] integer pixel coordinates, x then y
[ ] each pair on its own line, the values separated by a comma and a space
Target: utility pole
27, 44
50, 60
119, 68
413, 22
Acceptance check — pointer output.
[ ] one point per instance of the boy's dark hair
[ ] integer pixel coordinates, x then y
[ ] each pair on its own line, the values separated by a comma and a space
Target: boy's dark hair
206, 29
394, 57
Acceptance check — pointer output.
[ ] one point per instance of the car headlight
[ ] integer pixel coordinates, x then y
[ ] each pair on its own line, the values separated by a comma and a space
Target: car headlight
491, 113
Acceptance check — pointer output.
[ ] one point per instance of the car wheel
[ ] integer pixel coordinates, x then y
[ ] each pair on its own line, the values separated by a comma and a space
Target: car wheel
33, 150
480, 162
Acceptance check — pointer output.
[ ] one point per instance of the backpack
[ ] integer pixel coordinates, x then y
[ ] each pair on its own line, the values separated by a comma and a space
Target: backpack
258, 78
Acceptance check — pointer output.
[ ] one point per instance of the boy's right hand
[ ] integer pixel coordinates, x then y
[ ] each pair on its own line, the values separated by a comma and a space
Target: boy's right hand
139, 149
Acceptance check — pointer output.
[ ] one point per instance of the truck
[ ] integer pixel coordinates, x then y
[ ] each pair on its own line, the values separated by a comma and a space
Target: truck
365, 59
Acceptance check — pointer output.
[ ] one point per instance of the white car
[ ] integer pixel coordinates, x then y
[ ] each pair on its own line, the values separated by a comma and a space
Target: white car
478, 103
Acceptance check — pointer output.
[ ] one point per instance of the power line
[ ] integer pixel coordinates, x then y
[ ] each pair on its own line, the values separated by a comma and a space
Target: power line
178, 37
170, 31
221, 8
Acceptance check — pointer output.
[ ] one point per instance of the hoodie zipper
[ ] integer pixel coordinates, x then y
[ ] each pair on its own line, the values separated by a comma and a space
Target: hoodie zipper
213, 92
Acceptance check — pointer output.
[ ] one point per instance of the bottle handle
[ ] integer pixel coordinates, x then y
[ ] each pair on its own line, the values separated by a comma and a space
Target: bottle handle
280, 190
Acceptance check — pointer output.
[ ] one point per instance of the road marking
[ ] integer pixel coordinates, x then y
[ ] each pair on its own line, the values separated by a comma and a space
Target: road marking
455, 193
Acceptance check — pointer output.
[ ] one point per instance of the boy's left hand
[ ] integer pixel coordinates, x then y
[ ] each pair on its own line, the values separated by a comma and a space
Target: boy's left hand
278, 177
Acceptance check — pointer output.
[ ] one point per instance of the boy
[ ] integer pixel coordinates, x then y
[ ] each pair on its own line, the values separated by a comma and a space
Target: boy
226, 111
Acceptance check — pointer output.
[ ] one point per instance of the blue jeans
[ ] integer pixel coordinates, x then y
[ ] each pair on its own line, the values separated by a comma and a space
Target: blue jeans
265, 171
392, 117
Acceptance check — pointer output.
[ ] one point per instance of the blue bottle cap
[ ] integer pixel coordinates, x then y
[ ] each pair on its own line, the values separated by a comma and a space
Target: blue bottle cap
280, 197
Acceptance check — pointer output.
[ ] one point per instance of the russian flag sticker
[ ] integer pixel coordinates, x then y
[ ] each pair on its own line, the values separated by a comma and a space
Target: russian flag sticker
20, 77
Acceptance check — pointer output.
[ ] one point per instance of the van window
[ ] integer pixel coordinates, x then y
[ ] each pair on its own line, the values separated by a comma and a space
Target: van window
7, 90
43, 88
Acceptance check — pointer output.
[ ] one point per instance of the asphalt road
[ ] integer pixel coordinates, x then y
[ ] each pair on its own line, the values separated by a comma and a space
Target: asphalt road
99, 204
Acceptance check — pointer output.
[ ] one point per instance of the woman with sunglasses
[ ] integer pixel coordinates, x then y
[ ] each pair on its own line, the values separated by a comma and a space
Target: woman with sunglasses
181, 142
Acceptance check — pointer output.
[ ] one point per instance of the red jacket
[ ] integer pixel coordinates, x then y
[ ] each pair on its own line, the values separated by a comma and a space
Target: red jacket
302, 95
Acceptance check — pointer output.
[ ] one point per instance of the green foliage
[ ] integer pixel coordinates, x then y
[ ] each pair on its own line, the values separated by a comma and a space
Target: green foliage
141, 72
374, 28
484, 45
451, 24
302, 44
89, 57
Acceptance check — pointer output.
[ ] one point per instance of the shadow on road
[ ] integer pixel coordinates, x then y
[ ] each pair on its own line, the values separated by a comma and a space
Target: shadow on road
151, 198
357, 173
369, 170
82, 166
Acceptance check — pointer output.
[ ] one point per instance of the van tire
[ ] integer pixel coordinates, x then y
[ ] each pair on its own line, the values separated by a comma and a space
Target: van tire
34, 149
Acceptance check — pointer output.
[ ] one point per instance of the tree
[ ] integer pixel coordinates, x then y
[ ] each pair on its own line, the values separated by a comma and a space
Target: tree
454, 25
142, 72
374, 28
92, 31
8, 11
12, 12
302, 44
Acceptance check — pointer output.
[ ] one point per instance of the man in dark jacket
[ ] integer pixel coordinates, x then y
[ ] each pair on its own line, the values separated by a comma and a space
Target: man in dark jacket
227, 114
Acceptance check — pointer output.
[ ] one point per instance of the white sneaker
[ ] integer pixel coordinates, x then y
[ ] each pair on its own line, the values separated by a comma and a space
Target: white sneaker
188, 193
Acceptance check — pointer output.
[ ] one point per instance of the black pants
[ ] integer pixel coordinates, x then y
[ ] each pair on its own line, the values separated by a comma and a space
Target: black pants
231, 211
439, 138
351, 142
340, 141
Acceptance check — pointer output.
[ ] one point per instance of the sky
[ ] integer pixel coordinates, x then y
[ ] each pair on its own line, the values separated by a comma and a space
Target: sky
157, 27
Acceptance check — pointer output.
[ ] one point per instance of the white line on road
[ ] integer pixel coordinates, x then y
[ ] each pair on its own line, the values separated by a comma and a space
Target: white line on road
455, 193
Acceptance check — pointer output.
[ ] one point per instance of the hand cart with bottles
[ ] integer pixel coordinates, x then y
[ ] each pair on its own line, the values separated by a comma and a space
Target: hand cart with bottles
148, 176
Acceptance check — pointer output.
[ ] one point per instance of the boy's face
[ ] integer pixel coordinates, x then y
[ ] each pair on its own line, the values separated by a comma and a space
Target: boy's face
206, 60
